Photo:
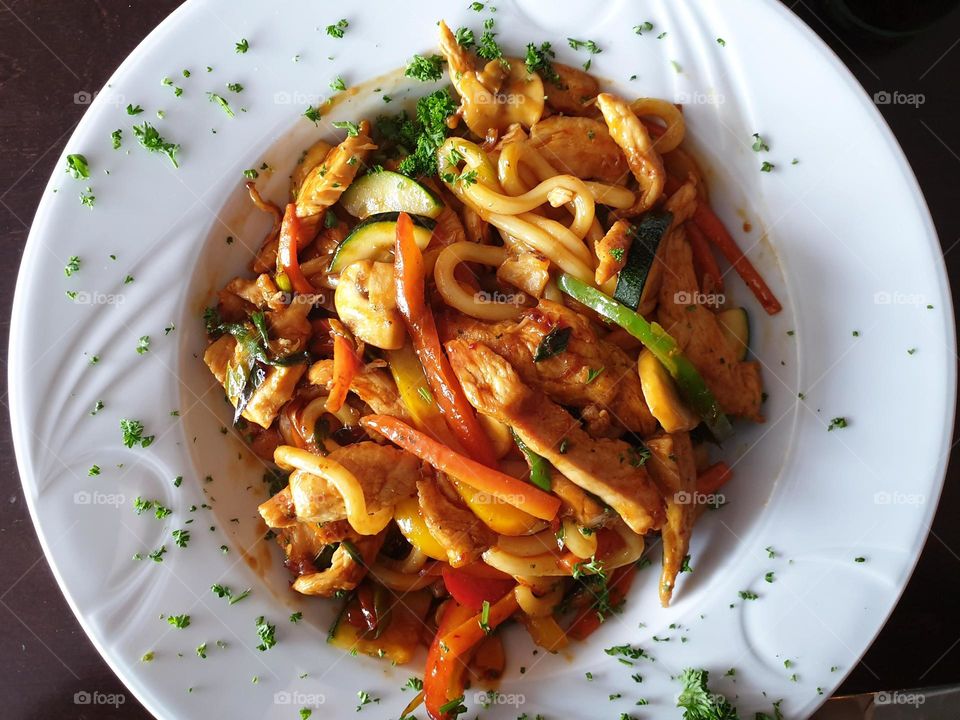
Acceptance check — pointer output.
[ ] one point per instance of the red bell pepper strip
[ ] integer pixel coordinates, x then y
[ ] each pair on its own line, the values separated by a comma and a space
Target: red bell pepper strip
470, 589
411, 302
459, 632
287, 262
518, 493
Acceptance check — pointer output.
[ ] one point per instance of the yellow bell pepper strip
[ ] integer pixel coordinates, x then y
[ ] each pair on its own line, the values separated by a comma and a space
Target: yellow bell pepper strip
509, 489
287, 262
448, 393
502, 518
414, 528
692, 386
417, 398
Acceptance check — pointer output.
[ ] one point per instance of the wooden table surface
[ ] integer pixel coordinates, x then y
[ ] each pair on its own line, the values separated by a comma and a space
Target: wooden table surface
50, 50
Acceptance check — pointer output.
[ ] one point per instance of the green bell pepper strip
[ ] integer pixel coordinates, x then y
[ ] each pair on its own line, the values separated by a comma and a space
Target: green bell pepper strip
689, 381
539, 467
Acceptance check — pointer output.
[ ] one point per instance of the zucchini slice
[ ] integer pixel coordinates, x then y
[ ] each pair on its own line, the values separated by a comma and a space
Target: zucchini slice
373, 239
647, 235
662, 396
735, 324
387, 191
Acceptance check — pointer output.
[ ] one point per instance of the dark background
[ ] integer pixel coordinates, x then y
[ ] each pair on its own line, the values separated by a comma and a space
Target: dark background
52, 49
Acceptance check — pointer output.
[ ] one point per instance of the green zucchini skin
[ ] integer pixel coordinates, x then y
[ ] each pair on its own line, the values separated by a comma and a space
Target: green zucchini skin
647, 235
387, 191
374, 237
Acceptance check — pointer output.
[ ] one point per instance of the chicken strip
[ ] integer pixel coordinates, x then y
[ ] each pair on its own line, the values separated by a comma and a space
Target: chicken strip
345, 572
673, 469
572, 92
386, 475
580, 146
610, 469
589, 374
612, 251
737, 385
463, 534
634, 139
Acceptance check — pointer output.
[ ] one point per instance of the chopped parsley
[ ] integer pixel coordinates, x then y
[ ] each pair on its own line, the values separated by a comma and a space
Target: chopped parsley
353, 130
488, 48
242, 46
769, 577
72, 266
251, 174
748, 595
77, 167
627, 651
235, 87
476, 6
202, 651
698, 703
589, 45
93, 471
97, 407
132, 431
222, 102
134, 109
267, 634
157, 556
179, 621
759, 145
721, 42
413, 683
837, 423
150, 138
296, 617
455, 707
465, 37
88, 198
767, 167
425, 69
312, 114
338, 84
143, 344
337, 29
860, 559
685, 565
116, 137
427, 132
538, 60
643, 27
181, 537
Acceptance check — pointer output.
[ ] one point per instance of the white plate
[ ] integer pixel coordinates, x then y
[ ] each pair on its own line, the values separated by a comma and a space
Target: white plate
856, 251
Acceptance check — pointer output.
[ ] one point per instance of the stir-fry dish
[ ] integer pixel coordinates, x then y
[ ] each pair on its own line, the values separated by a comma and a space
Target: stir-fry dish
485, 346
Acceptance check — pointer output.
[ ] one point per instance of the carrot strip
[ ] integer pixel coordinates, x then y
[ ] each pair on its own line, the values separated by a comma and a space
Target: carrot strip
420, 322
485, 479
713, 478
346, 365
704, 262
287, 262
715, 231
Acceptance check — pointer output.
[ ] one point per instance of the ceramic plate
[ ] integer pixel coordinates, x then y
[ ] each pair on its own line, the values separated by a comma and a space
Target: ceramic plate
838, 226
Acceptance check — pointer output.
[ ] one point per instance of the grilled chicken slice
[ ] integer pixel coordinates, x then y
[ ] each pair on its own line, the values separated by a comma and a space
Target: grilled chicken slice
673, 469
462, 534
610, 469
580, 146
737, 385
344, 573
385, 473
577, 503
570, 377
272, 394
634, 139
372, 384
574, 91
